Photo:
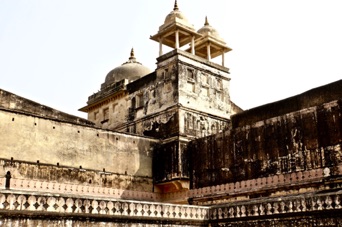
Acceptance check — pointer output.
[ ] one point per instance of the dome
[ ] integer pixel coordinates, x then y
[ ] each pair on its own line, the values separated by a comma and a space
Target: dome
130, 70
176, 16
208, 30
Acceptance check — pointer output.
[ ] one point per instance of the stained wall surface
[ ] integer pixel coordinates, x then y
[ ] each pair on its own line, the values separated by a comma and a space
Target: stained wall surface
47, 141
108, 108
17, 103
303, 139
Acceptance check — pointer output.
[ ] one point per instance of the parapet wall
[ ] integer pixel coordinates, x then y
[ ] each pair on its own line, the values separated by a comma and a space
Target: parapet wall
16, 103
45, 209
311, 98
47, 141
33, 175
305, 139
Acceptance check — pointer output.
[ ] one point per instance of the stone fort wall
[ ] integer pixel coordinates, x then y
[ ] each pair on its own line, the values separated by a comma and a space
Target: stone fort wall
40, 146
260, 144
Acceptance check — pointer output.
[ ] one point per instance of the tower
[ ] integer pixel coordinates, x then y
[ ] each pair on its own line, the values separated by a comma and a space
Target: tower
186, 97
199, 89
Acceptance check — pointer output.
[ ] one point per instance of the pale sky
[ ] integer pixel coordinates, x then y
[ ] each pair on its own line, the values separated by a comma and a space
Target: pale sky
58, 52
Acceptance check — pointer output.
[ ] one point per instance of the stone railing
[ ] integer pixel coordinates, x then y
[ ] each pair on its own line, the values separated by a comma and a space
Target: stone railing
64, 188
307, 203
229, 189
264, 183
71, 205
30, 205
297, 178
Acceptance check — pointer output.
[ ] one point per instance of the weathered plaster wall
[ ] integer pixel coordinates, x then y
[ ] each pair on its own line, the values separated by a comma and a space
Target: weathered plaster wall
204, 88
32, 138
198, 124
198, 92
41, 173
311, 98
150, 104
301, 140
170, 162
152, 111
191, 85
14, 102
108, 108
110, 114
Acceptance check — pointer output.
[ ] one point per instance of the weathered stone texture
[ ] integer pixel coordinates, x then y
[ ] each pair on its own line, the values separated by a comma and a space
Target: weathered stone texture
35, 139
314, 97
170, 162
108, 108
204, 88
182, 85
301, 140
16, 103
157, 140
42, 173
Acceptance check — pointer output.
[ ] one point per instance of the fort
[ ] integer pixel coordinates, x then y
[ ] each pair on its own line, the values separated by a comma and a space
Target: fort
170, 147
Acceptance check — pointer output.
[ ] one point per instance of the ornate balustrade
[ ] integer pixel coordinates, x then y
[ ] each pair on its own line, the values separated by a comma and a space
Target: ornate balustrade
64, 188
307, 203
49, 204
264, 182
40, 204
31, 197
253, 185
230, 188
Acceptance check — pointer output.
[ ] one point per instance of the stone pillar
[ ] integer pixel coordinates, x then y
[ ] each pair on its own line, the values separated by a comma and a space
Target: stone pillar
177, 40
193, 45
208, 52
222, 57
160, 46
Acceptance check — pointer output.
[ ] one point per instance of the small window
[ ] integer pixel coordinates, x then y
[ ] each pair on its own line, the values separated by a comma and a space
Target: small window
205, 79
166, 74
219, 84
190, 74
96, 115
105, 114
133, 104
115, 107
205, 91
190, 121
140, 100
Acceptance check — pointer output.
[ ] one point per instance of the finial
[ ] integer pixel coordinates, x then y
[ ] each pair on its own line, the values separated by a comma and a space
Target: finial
206, 21
132, 55
176, 6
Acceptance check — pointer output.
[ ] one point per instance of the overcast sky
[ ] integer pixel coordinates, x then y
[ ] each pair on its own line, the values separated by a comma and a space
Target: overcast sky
58, 52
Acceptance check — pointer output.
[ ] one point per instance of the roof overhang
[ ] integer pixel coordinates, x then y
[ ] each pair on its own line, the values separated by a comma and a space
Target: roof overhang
217, 47
168, 35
